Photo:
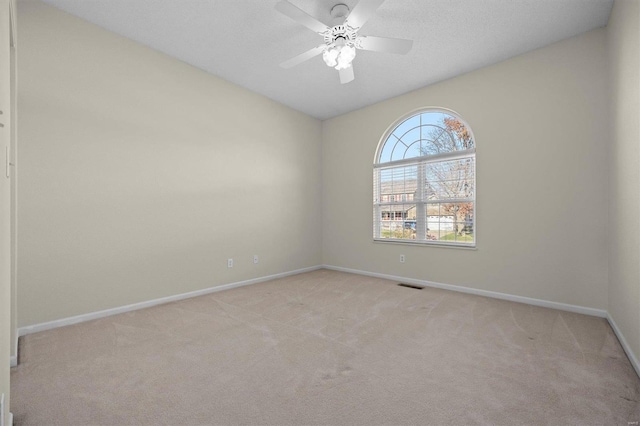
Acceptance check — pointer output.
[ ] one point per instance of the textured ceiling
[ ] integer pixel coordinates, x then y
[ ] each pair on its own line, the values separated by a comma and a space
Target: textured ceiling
243, 41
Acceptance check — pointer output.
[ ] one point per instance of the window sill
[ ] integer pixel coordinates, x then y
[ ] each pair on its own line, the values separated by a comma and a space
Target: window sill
425, 244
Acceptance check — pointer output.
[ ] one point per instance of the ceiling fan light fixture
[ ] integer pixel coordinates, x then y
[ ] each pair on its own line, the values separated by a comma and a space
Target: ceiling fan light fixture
347, 53
339, 57
330, 56
342, 40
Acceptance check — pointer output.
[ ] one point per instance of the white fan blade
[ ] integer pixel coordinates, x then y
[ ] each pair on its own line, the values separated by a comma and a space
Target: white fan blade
303, 56
300, 16
346, 75
384, 44
361, 13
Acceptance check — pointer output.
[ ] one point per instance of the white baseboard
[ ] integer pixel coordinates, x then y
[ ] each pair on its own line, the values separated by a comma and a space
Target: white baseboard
10, 419
632, 357
22, 331
13, 361
528, 300
493, 294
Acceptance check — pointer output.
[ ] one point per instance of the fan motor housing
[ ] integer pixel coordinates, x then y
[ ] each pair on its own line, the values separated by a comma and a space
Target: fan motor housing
345, 32
339, 11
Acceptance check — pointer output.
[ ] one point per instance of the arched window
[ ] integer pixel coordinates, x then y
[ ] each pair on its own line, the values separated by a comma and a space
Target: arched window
424, 181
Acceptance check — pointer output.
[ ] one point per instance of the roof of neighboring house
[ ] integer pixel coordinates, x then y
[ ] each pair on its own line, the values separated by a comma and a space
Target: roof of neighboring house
432, 209
399, 187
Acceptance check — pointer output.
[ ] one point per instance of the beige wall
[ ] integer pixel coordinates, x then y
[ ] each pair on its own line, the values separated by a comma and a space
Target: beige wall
141, 175
5, 255
624, 175
540, 122
5, 205
14, 187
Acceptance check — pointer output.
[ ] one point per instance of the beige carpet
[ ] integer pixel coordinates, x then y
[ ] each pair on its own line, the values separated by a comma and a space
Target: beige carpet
328, 348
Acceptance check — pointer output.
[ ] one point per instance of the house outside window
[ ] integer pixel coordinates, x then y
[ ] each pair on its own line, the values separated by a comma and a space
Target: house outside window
424, 181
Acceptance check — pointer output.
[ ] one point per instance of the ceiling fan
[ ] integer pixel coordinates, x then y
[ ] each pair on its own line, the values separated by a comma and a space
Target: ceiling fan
341, 41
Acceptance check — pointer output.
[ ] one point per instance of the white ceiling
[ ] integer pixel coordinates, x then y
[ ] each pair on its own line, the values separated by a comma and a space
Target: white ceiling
243, 41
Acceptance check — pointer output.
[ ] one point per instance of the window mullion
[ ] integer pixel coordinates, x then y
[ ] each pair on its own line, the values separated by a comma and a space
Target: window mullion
454, 155
421, 211
376, 199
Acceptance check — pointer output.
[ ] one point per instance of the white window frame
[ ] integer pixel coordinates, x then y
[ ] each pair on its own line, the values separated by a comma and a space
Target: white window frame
421, 205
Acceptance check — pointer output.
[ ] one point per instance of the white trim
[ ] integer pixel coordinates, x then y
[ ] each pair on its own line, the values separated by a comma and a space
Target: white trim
632, 357
22, 331
14, 358
10, 418
13, 33
493, 294
408, 242
436, 243
423, 283
436, 158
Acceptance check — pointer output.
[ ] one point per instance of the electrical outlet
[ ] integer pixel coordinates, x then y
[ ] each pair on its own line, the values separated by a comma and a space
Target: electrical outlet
255, 259
402, 258
229, 263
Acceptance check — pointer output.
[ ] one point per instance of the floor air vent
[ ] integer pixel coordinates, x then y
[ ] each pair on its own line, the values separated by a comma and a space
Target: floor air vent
410, 286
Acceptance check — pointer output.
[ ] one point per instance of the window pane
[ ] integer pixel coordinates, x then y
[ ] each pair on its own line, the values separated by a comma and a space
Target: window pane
451, 222
405, 148
385, 229
436, 140
406, 125
397, 184
409, 145
385, 155
444, 133
452, 179
426, 134
398, 221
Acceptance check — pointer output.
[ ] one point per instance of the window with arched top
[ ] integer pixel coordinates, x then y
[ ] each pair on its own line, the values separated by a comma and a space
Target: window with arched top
424, 181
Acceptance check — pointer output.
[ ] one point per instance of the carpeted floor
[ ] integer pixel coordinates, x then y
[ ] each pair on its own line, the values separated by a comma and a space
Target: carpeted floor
328, 348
